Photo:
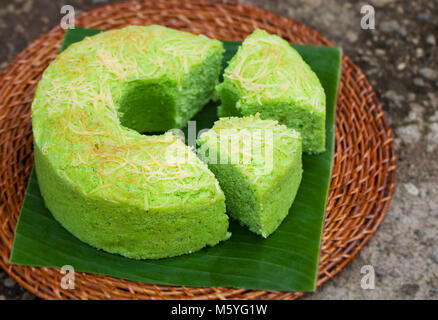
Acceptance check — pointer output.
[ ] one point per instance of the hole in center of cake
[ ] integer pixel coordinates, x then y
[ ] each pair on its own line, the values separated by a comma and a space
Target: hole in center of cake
147, 107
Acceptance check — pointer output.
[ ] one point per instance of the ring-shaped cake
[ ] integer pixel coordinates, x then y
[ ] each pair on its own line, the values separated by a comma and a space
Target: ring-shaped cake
141, 196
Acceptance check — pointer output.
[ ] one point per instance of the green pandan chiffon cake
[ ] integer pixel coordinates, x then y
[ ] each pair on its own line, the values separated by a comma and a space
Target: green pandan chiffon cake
269, 77
150, 196
110, 186
258, 165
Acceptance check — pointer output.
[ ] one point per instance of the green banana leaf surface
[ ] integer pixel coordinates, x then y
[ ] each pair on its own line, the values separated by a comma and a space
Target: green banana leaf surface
286, 261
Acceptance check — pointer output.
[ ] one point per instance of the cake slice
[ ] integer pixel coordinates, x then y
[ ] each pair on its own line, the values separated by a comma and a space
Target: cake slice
268, 76
258, 165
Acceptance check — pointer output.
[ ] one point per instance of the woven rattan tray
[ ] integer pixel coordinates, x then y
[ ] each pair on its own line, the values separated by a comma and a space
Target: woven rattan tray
363, 176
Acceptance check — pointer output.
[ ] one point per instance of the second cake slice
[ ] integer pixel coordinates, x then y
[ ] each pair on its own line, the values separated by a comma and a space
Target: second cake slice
258, 165
269, 77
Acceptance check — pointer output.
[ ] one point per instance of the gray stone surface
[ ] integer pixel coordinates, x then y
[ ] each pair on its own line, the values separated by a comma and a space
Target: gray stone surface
400, 59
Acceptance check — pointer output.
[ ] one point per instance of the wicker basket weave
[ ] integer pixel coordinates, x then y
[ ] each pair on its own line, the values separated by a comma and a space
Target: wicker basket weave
363, 177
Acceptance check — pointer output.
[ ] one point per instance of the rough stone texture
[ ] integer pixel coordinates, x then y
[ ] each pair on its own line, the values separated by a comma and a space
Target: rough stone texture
400, 58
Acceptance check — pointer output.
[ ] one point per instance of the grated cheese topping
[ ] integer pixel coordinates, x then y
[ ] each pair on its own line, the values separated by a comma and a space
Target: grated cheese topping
253, 145
266, 68
76, 124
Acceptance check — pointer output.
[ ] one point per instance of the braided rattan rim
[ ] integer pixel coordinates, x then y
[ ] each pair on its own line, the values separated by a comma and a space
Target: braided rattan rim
363, 177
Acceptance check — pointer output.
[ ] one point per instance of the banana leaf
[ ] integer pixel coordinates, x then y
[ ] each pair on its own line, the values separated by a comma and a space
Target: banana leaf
286, 261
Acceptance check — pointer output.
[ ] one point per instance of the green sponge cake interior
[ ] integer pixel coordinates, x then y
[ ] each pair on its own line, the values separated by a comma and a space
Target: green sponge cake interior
258, 165
268, 76
135, 195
